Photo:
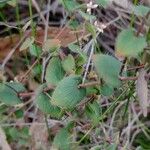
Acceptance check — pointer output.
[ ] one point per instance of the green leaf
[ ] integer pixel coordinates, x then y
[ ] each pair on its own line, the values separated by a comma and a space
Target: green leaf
106, 90
62, 140
8, 96
103, 3
12, 3
67, 94
35, 50
112, 147
74, 24
90, 28
51, 45
70, 5
37, 70
68, 64
127, 44
27, 43
93, 112
76, 49
108, 69
44, 104
141, 10
54, 71
91, 91
18, 87
87, 16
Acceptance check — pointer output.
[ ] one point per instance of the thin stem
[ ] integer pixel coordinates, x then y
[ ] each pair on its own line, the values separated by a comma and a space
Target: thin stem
133, 16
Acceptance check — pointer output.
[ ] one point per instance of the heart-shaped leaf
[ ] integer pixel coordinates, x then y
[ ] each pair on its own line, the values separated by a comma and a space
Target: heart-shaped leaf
127, 44
44, 104
67, 93
108, 69
8, 96
54, 71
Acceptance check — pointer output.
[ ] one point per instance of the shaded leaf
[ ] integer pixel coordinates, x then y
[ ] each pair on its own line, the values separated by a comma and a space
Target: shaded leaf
142, 91
27, 43
68, 64
90, 28
106, 90
112, 147
70, 5
54, 71
93, 112
3, 141
51, 45
103, 3
108, 69
62, 140
127, 44
8, 96
18, 87
87, 16
141, 10
44, 104
67, 94
76, 49
35, 50
12, 3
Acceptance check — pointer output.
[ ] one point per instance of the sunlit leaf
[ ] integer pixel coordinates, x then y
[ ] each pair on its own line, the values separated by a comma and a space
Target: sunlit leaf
128, 44
54, 71
108, 69
67, 93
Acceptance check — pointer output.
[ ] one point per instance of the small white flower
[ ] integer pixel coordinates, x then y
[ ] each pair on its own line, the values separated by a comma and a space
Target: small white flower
91, 6
100, 26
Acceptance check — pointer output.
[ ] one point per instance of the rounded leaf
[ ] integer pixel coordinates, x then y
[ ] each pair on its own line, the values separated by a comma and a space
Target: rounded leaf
67, 94
68, 64
108, 69
128, 44
54, 71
